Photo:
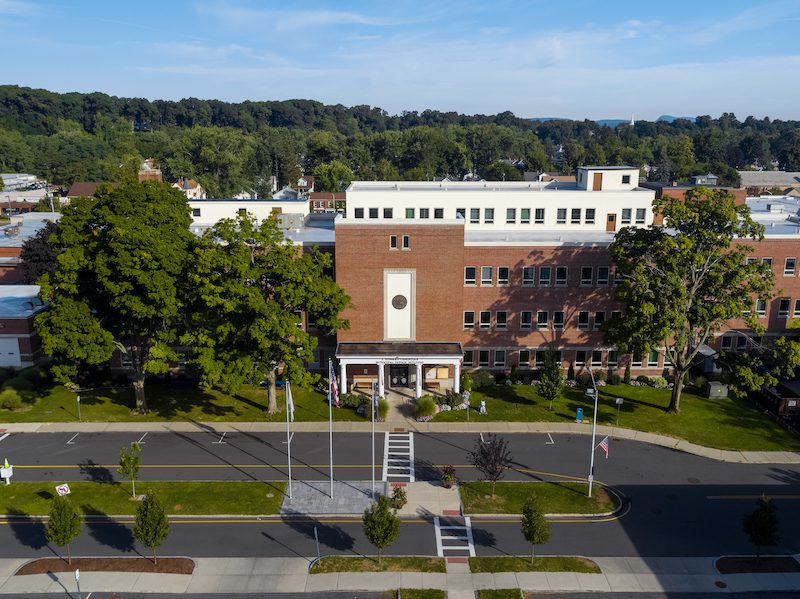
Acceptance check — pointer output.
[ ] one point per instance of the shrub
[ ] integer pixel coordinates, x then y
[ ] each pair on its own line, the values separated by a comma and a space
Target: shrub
482, 379
399, 498
584, 379
627, 378
18, 384
614, 379
513, 375
383, 408
10, 400
700, 383
659, 382
600, 375
351, 400
643, 379
500, 378
424, 406
571, 372
453, 399
466, 381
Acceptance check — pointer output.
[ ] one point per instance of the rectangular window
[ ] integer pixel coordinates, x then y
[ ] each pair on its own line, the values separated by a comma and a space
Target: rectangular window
652, 359
524, 358
409, 213
424, 212
388, 213
486, 320
511, 216
501, 320
626, 179
538, 216
616, 314
540, 354
499, 357
575, 218
613, 359
767, 261
561, 216
461, 212
586, 276
525, 319
599, 319
541, 320
589, 216
469, 275
761, 307
359, 213
796, 312
558, 321
488, 216
583, 320
502, 276
469, 356
469, 320
195, 211
580, 358
640, 214
750, 261
392, 242
544, 275
727, 342
486, 276
373, 213
783, 307
789, 267
561, 276
474, 216
524, 216
741, 343
438, 213
602, 276
597, 358
528, 276
406, 242
626, 216
617, 277
483, 357
636, 360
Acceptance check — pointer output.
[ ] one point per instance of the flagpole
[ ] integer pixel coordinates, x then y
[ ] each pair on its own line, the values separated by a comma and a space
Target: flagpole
287, 393
373, 439
594, 432
330, 416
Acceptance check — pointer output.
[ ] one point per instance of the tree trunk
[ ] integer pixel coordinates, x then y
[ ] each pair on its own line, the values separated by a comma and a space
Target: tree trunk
380, 556
69, 556
677, 388
493, 484
533, 552
138, 389
133, 484
155, 559
273, 402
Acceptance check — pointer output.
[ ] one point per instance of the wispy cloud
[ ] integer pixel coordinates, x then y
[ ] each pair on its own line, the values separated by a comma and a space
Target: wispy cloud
17, 7
750, 19
288, 20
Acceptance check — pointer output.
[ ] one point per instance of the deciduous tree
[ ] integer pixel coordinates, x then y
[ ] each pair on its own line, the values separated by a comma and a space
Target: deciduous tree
535, 527
129, 463
38, 255
551, 377
64, 523
491, 457
761, 525
381, 524
151, 526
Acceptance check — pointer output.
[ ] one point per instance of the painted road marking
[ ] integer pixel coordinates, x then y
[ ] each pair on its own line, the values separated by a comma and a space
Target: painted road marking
398, 457
550, 442
458, 536
221, 440
142, 441
3, 436
72, 441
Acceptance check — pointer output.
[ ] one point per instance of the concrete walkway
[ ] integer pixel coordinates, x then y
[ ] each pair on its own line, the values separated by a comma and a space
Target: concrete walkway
236, 575
742, 457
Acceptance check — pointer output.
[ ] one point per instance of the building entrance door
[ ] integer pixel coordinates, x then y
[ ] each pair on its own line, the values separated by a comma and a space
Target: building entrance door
398, 376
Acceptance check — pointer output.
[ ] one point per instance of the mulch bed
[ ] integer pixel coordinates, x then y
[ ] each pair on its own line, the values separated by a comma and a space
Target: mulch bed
769, 564
165, 565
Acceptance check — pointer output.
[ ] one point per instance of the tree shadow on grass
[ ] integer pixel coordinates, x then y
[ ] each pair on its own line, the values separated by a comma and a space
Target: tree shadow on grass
108, 531
28, 530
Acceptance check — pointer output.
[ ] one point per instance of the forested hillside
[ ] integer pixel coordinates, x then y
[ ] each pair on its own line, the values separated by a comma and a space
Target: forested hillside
229, 147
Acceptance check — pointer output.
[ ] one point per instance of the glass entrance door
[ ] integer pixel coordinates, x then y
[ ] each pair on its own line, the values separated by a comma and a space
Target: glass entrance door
398, 376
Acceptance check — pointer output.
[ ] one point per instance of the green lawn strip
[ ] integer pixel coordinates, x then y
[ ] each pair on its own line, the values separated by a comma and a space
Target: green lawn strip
179, 498
553, 497
421, 594
540, 564
339, 563
499, 594
719, 423
173, 402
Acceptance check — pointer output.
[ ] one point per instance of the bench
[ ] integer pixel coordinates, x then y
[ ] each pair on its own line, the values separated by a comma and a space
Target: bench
362, 382
431, 385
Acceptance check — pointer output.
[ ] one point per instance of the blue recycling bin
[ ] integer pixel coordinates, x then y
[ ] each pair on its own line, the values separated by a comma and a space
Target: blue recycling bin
579, 415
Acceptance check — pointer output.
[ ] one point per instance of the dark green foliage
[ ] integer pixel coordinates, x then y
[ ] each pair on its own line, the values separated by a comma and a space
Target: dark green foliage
627, 378
761, 525
535, 527
383, 408
64, 523
571, 372
151, 526
466, 381
614, 379
491, 457
129, 463
643, 379
381, 524
551, 377
424, 406
10, 399
18, 383
482, 379
38, 255
36, 375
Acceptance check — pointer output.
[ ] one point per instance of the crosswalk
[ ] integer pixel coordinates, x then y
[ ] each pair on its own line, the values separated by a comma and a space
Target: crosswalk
398, 457
453, 537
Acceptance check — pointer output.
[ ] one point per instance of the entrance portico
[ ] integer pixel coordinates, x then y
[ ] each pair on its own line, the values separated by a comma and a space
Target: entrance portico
399, 364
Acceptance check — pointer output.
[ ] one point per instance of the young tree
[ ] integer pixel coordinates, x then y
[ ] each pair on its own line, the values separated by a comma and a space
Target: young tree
38, 255
121, 272
129, 462
381, 524
683, 280
761, 525
249, 283
535, 527
151, 526
491, 458
551, 377
64, 523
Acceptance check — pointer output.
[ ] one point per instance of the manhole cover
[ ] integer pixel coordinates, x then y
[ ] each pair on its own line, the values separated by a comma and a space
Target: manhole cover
720, 585
694, 481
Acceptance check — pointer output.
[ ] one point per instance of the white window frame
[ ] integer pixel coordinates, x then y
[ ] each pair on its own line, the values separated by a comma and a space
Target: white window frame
558, 320
589, 219
497, 362
501, 320
542, 326
596, 325
584, 281
781, 312
538, 216
561, 281
796, 311
613, 358
511, 216
561, 216
485, 324
583, 320
529, 281
652, 363
469, 323
410, 213
598, 363
501, 280
641, 216
488, 216
575, 216
578, 360
490, 278
602, 281
469, 357
526, 363
471, 282
787, 270
761, 308
625, 218
545, 281
475, 216
406, 242
481, 361
522, 318
524, 220
392, 242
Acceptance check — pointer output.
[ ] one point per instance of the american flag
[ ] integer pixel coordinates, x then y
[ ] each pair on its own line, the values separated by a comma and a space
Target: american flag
333, 389
604, 445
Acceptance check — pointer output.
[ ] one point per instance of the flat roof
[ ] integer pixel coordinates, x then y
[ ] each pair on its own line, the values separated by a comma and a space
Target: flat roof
537, 237
20, 301
23, 227
250, 200
477, 186
608, 168
780, 215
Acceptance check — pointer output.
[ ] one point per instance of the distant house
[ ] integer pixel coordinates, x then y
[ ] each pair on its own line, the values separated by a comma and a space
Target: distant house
287, 193
85, 189
191, 189
548, 177
706, 180
149, 171
305, 184
327, 201
758, 182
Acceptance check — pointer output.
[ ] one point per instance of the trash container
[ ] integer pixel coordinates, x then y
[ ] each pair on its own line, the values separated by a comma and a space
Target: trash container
579, 415
715, 390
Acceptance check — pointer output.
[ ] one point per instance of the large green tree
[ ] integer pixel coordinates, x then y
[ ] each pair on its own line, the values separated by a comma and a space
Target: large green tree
681, 281
250, 284
332, 176
38, 255
64, 523
119, 276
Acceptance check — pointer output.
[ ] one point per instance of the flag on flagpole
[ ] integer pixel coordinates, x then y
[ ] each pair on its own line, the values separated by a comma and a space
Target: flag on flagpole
375, 398
289, 402
604, 446
333, 389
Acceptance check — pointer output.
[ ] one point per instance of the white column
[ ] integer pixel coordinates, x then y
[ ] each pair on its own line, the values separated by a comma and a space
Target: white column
380, 379
418, 384
457, 377
342, 377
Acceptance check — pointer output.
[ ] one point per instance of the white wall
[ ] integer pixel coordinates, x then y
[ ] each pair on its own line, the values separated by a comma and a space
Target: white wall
399, 322
212, 211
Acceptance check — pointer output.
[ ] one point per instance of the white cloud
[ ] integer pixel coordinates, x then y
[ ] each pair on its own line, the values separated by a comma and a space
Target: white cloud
17, 7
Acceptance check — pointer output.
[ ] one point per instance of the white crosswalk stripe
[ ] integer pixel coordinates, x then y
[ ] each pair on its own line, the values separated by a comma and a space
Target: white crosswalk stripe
454, 538
398, 457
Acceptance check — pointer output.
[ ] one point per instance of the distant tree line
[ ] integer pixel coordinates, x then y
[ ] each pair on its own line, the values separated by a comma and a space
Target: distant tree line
231, 147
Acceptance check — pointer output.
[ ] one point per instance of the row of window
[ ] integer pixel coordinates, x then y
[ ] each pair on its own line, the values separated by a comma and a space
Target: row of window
784, 308
513, 216
789, 264
497, 358
590, 276
585, 320
406, 240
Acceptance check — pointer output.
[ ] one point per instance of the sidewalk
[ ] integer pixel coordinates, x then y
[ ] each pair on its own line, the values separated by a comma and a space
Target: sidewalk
742, 457
236, 575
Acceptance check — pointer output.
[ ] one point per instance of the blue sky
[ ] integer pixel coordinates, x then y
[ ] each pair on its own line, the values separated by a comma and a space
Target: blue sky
577, 59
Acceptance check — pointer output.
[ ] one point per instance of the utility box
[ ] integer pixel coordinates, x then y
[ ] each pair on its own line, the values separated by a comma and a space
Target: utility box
716, 390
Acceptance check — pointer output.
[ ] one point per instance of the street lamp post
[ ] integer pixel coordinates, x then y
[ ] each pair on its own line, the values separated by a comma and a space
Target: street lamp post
592, 393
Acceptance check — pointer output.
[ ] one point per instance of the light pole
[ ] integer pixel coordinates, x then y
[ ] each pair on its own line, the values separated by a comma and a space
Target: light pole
592, 393
373, 401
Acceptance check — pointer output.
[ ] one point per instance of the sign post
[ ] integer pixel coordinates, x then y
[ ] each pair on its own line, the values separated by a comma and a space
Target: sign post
6, 471
619, 402
373, 402
466, 403
78, 398
63, 489
78, 582
594, 394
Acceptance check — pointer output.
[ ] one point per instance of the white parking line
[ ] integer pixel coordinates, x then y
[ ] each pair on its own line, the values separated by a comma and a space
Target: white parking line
4, 436
221, 440
550, 442
142, 441
72, 441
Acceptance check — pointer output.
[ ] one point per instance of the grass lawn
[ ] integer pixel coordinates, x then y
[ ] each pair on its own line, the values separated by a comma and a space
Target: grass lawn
499, 594
540, 564
173, 402
421, 594
179, 498
553, 498
338, 563
720, 423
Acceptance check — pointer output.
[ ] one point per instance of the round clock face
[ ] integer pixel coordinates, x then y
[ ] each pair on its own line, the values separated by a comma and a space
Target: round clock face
399, 302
